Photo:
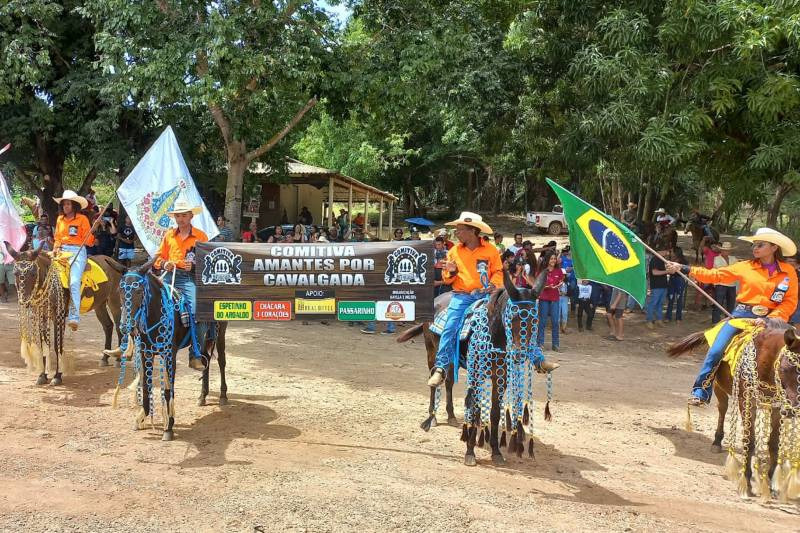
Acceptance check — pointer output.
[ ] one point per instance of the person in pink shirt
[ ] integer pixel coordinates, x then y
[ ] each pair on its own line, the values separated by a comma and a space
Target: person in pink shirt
549, 307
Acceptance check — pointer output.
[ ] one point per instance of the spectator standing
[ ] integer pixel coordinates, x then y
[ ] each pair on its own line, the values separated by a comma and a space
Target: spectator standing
549, 300
498, 243
251, 235
658, 289
125, 239
615, 315
585, 304
225, 233
43, 233
305, 218
629, 215
676, 290
724, 293
6, 277
517, 246
439, 258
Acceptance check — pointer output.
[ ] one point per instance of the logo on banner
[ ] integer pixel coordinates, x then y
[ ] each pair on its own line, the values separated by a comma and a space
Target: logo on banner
405, 265
356, 311
278, 310
394, 310
222, 267
315, 302
232, 310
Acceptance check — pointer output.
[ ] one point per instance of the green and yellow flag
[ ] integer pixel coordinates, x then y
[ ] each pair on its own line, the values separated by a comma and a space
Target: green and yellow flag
603, 250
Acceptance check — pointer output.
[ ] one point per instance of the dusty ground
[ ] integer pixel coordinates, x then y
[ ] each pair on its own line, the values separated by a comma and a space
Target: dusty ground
322, 434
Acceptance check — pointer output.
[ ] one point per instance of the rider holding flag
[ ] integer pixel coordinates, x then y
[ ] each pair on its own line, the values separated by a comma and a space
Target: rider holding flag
177, 254
473, 269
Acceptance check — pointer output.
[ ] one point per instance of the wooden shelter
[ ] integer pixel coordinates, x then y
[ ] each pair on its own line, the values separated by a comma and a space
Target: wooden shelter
318, 189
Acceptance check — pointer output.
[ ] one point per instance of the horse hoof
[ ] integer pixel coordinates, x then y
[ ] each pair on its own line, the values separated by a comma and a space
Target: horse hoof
201, 401
223, 400
498, 460
168, 436
56, 381
104, 361
42, 380
469, 460
453, 422
716, 448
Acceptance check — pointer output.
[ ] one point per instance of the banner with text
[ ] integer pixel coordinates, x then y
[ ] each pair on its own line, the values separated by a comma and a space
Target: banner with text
384, 281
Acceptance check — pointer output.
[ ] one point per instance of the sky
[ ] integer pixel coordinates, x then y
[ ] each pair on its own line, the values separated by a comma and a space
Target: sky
340, 12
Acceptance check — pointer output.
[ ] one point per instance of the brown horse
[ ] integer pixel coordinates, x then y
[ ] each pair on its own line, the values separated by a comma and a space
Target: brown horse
43, 300
769, 357
143, 294
496, 307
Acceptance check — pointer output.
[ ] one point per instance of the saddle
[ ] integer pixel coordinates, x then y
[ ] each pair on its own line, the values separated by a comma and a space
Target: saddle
733, 351
92, 277
437, 327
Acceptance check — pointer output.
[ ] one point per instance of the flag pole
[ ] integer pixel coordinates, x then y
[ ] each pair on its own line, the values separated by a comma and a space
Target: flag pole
684, 276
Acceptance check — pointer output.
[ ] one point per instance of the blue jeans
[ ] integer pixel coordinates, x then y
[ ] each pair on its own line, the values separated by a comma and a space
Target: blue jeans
390, 326
655, 305
184, 282
448, 341
676, 292
75, 274
703, 385
563, 309
548, 310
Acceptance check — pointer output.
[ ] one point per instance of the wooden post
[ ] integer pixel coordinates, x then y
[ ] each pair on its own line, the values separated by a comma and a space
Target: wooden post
380, 219
331, 185
391, 220
350, 208
366, 212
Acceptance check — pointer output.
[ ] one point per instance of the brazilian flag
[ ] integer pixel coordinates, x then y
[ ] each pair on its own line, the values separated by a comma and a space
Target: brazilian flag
603, 250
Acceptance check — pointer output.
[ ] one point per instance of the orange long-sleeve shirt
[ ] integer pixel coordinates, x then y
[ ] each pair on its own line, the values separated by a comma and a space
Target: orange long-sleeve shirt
777, 292
467, 279
174, 247
73, 231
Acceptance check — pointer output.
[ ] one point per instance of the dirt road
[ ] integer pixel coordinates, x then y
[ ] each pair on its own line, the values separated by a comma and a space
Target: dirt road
322, 434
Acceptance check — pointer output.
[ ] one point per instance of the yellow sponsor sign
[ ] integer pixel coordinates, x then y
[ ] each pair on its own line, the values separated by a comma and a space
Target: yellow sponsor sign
321, 306
233, 310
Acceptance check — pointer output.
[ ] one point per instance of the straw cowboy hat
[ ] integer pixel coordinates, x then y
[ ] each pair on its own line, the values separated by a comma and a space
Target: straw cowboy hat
471, 219
775, 237
661, 211
182, 205
72, 195
727, 246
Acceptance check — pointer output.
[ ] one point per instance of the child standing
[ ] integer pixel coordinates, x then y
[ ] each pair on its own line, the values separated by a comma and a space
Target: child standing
585, 304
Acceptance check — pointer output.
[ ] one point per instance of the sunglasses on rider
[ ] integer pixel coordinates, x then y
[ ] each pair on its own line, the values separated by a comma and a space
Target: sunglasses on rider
759, 244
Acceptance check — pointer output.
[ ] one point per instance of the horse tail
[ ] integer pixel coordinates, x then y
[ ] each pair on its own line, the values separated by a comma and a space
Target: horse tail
411, 333
687, 344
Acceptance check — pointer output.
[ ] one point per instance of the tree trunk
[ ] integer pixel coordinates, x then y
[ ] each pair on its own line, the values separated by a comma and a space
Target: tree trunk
777, 200
237, 165
470, 187
647, 210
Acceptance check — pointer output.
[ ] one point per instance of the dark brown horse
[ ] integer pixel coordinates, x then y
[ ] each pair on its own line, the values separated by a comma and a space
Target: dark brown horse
769, 357
144, 308
496, 306
44, 301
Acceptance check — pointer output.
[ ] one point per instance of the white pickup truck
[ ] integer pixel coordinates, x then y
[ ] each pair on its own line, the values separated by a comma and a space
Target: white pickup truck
552, 222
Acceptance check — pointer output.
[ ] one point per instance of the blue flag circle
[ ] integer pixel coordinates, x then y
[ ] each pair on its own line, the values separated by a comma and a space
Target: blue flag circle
608, 240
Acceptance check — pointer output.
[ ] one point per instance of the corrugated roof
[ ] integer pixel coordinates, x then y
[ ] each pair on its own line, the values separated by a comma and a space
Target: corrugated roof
298, 167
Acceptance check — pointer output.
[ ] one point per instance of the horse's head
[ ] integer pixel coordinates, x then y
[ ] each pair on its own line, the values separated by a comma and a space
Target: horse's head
134, 290
30, 269
513, 324
788, 368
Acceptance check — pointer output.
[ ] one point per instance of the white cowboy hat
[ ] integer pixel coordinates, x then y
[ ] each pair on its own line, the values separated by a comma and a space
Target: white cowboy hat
775, 237
182, 205
661, 210
471, 219
726, 246
72, 195
442, 233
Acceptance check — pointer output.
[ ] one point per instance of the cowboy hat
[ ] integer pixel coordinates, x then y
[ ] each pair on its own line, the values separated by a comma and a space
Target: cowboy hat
182, 205
726, 246
661, 211
72, 195
471, 219
774, 237
442, 233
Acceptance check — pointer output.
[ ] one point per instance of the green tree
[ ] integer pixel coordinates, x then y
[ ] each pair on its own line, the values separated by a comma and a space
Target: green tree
254, 67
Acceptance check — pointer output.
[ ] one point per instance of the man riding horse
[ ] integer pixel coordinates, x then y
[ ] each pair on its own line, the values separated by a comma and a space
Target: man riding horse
768, 289
177, 255
473, 270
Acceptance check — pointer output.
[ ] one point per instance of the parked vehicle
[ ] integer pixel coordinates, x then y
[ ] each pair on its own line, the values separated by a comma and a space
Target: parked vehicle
548, 222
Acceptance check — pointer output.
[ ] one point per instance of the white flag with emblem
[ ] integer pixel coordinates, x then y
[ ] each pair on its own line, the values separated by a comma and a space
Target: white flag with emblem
152, 187
12, 230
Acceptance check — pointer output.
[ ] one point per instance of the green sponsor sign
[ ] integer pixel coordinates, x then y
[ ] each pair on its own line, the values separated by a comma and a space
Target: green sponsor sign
356, 311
